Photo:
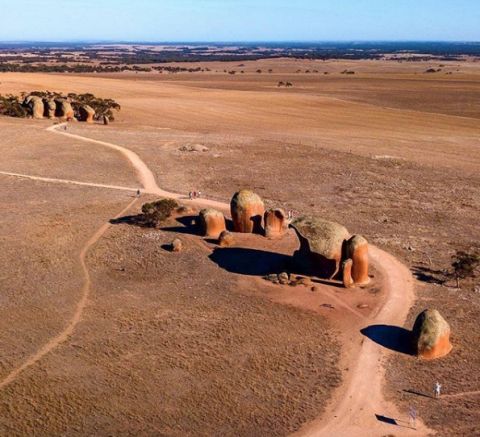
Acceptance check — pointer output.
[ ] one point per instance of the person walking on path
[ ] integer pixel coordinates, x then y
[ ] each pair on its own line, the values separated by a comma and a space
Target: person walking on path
437, 390
413, 417
138, 193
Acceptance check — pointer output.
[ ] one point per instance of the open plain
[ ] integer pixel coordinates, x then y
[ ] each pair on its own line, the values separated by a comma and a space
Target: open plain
105, 332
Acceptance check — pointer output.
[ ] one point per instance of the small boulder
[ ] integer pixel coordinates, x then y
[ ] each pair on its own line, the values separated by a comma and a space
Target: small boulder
431, 335
177, 245
357, 251
321, 245
226, 239
283, 278
247, 211
212, 222
276, 223
87, 113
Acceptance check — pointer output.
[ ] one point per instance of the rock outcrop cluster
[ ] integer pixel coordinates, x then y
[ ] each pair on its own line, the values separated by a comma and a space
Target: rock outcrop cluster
247, 211
60, 107
431, 335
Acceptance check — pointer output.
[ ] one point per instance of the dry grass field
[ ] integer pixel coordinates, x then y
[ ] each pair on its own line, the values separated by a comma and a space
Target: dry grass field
174, 344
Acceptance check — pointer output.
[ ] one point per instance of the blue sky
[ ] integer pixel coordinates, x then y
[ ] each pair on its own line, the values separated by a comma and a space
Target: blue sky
239, 20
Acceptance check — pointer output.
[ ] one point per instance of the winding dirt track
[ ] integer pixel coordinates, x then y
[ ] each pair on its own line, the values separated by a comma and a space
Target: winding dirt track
76, 317
352, 411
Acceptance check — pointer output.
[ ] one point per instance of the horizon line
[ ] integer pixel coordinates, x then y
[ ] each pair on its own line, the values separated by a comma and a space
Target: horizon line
260, 41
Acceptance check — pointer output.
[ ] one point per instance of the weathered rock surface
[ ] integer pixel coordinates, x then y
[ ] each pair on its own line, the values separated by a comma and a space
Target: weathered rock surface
194, 148
357, 251
35, 105
212, 222
64, 109
87, 113
247, 211
347, 274
321, 245
276, 223
431, 335
50, 108
226, 239
177, 245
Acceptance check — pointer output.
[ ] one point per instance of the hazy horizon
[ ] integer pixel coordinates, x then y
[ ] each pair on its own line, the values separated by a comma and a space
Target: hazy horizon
178, 21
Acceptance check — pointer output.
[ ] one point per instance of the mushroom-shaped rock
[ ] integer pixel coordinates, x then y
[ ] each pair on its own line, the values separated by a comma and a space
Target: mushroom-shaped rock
64, 109
247, 211
86, 113
431, 335
212, 222
226, 239
276, 223
35, 104
321, 245
347, 273
357, 251
50, 108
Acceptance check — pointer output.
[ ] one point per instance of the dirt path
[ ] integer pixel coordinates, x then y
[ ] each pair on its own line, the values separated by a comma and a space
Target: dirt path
354, 409
355, 406
67, 181
76, 317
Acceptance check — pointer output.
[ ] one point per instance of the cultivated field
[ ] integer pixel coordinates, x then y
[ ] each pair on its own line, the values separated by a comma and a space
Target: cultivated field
197, 343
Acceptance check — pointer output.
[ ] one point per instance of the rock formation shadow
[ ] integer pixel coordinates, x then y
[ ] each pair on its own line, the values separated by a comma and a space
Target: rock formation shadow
394, 338
251, 262
426, 274
132, 220
188, 225
386, 419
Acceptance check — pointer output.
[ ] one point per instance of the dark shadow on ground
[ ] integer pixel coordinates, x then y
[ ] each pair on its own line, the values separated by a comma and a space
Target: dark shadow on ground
394, 338
386, 419
250, 261
417, 393
132, 220
428, 275
188, 225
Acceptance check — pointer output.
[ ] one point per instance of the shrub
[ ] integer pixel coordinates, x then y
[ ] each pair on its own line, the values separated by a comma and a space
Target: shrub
156, 212
11, 106
464, 265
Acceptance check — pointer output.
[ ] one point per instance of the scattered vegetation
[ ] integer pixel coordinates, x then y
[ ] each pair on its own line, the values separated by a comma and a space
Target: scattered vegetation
464, 265
11, 106
156, 212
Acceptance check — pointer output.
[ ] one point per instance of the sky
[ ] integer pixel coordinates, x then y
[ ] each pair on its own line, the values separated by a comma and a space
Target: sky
239, 20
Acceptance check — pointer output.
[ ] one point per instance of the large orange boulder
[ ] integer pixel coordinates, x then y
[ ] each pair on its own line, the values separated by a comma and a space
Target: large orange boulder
357, 251
276, 223
247, 211
321, 245
35, 105
87, 113
431, 335
212, 222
